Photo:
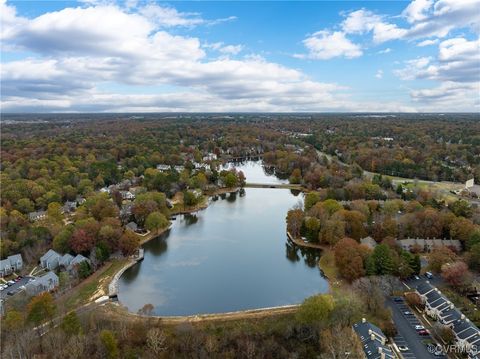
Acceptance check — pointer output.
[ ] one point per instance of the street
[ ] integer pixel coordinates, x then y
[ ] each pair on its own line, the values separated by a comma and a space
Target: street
14, 287
407, 334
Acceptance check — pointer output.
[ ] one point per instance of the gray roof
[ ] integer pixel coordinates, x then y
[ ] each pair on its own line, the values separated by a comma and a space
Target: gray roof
15, 258
5, 264
78, 259
372, 347
66, 259
51, 254
132, 226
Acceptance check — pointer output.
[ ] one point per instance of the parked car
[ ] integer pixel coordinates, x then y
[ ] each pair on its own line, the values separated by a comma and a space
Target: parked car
10, 292
419, 327
416, 277
11, 282
402, 348
429, 275
407, 312
398, 299
423, 332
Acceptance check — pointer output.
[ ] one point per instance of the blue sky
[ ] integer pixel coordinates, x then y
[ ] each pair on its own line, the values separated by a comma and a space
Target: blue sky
107, 56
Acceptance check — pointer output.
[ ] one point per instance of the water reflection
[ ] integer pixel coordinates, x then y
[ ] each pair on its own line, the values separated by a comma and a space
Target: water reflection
295, 253
233, 255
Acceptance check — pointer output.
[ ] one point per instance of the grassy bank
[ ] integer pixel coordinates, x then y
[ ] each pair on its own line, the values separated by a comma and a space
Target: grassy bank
91, 288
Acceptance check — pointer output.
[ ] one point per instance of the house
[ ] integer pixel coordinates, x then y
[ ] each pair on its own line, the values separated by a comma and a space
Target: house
426, 245
127, 195
65, 260
132, 226
80, 200
69, 207
50, 260
369, 242
373, 341
11, 264
437, 306
163, 167
179, 168
46, 283
37, 216
76, 261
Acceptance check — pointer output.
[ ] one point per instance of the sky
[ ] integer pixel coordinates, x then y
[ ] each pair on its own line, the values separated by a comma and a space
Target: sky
240, 56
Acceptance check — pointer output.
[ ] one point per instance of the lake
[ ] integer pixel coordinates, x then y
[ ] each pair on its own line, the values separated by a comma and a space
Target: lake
232, 256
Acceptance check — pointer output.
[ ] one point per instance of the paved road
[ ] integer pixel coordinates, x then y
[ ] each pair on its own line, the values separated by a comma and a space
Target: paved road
407, 335
14, 287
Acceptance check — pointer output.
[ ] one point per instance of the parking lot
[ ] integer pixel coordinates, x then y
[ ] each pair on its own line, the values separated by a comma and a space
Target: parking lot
14, 288
407, 335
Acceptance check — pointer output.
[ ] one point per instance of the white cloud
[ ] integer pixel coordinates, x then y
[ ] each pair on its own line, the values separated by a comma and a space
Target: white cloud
385, 51
379, 74
324, 45
428, 42
417, 10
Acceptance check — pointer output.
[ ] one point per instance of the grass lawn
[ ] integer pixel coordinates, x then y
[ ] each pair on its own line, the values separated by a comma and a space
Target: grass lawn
93, 287
327, 265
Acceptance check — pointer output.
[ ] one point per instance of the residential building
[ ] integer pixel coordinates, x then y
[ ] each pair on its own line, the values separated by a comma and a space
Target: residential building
46, 283
437, 306
69, 207
127, 195
132, 226
163, 167
426, 245
11, 264
65, 260
50, 260
369, 242
76, 261
37, 216
373, 341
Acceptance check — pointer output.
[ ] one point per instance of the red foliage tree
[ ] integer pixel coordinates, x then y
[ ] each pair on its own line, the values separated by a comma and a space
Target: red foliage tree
82, 241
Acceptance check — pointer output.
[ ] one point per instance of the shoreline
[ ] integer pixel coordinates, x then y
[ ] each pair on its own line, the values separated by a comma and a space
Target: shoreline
209, 317
234, 315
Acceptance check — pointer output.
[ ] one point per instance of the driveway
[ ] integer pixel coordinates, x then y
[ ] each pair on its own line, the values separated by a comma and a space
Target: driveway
407, 335
14, 287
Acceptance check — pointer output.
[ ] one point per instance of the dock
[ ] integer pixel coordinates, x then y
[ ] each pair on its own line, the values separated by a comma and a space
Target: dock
301, 243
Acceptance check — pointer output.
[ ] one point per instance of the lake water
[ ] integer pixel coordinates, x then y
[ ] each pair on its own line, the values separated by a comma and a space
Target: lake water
232, 256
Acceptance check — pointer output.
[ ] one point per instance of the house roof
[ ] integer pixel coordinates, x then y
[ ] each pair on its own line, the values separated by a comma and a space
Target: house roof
424, 287
5, 264
78, 259
15, 258
132, 225
66, 259
51, 254
372, 347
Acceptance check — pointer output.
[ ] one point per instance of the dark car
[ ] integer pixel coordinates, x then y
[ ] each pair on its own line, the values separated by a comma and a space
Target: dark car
423, 332
10, 292
398, 299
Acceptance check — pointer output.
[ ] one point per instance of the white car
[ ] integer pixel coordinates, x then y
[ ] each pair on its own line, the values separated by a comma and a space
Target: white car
11, 282
419, 327
402, 348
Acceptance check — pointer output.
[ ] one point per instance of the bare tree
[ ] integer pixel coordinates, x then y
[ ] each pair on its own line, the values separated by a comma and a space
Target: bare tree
156, 340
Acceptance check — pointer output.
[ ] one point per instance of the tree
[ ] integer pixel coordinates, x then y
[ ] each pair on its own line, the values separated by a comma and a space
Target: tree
296, 176
109, 343
440, 256
294, 222
156, 340
156, 221
189, 198
230, 180
128, 243
84, 269
315, 309
41, 308
13, 320
473, 257
461, 208
54, 211
61, 242
462, 229
457, 274
311, 198
82, 241
71, 325
349, 258
382, 260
